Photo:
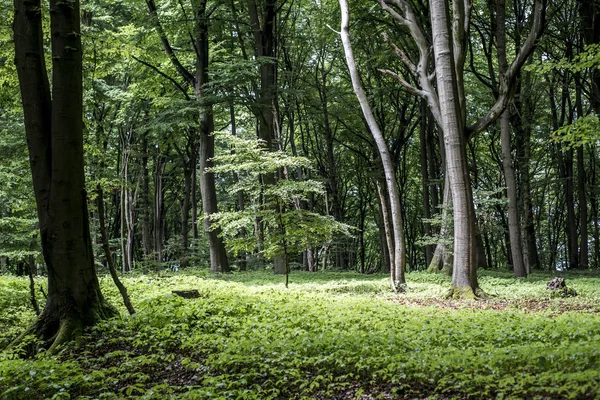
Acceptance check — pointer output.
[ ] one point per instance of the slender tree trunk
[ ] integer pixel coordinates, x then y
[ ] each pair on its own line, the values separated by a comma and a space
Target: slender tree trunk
581, 193
425, 179
399, 247
159, 207
514, 227
146, 223
530, 248
108, 255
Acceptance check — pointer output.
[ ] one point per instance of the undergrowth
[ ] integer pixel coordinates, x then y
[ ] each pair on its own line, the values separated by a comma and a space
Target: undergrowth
329, 336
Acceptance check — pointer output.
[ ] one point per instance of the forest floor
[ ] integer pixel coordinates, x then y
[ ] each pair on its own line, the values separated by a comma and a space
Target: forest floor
330, 335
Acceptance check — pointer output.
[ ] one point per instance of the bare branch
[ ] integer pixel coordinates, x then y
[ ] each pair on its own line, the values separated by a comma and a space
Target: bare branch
509, 79
399, 79
400, 53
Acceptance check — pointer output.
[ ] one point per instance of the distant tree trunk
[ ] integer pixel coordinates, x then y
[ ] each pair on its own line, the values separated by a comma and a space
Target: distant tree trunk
54, 129
146, 227
425, 179
108, 255
442, 259
514, 227
159, 207
264, 30
581, 184
571, 226
594, 207
127, 203
530, 250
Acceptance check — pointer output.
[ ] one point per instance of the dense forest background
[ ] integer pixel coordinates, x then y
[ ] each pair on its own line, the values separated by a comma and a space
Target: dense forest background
171, 88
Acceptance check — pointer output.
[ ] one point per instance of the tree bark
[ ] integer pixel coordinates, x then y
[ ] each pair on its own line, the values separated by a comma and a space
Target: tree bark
398, 260
219, 261
514, 228
54, 129
464, 275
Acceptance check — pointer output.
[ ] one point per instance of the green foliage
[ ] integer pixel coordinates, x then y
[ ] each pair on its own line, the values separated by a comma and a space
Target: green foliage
588, 58
330, 335
277, 204
585, 130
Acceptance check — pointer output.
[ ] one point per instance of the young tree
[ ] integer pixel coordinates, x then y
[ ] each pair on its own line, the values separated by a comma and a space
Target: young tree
395, 234
54, 129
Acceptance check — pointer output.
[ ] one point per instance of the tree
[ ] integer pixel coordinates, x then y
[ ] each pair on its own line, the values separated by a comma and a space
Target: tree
395, 231
444, 91
54, 129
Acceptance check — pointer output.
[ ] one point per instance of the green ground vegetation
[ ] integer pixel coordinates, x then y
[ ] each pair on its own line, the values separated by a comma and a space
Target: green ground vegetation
328, 336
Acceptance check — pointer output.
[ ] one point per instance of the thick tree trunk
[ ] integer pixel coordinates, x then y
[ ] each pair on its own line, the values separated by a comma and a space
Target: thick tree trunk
464, 275
264, 31
219, 261
54, 130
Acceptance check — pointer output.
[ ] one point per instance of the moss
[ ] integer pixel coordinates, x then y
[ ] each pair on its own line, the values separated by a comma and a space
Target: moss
463, 292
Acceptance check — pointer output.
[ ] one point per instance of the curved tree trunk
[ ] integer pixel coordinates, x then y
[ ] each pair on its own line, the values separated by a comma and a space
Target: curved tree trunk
54, 130
398, 261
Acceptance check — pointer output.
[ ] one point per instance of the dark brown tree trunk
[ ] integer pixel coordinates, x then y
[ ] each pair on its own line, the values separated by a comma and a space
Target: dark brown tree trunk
425, 179
264, 30
54, 130
530, 248
581, 192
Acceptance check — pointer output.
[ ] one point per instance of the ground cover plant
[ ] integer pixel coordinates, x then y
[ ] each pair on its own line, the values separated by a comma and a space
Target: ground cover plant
328, 336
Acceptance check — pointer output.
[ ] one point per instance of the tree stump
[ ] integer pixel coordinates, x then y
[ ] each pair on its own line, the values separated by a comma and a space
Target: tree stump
559, 288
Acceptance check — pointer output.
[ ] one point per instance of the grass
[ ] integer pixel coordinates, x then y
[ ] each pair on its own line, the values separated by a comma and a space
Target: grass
329, 336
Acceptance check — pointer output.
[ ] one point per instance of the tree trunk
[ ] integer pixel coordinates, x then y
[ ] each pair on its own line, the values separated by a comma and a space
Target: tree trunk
398, 260
425, 179
581, 183
146, 234
219, 261
54, 129
159, 207
464, 274
264, 31
514, 228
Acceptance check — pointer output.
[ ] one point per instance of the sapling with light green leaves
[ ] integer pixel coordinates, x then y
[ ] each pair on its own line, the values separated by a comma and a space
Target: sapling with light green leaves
289, 228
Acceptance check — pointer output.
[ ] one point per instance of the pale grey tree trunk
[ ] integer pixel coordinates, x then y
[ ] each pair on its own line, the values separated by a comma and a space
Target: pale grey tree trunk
399, 251
514, 228
464, 276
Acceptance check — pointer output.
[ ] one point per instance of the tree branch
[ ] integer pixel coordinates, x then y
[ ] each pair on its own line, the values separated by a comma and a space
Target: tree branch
398, 78
508, 80
185, 74
158, 71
